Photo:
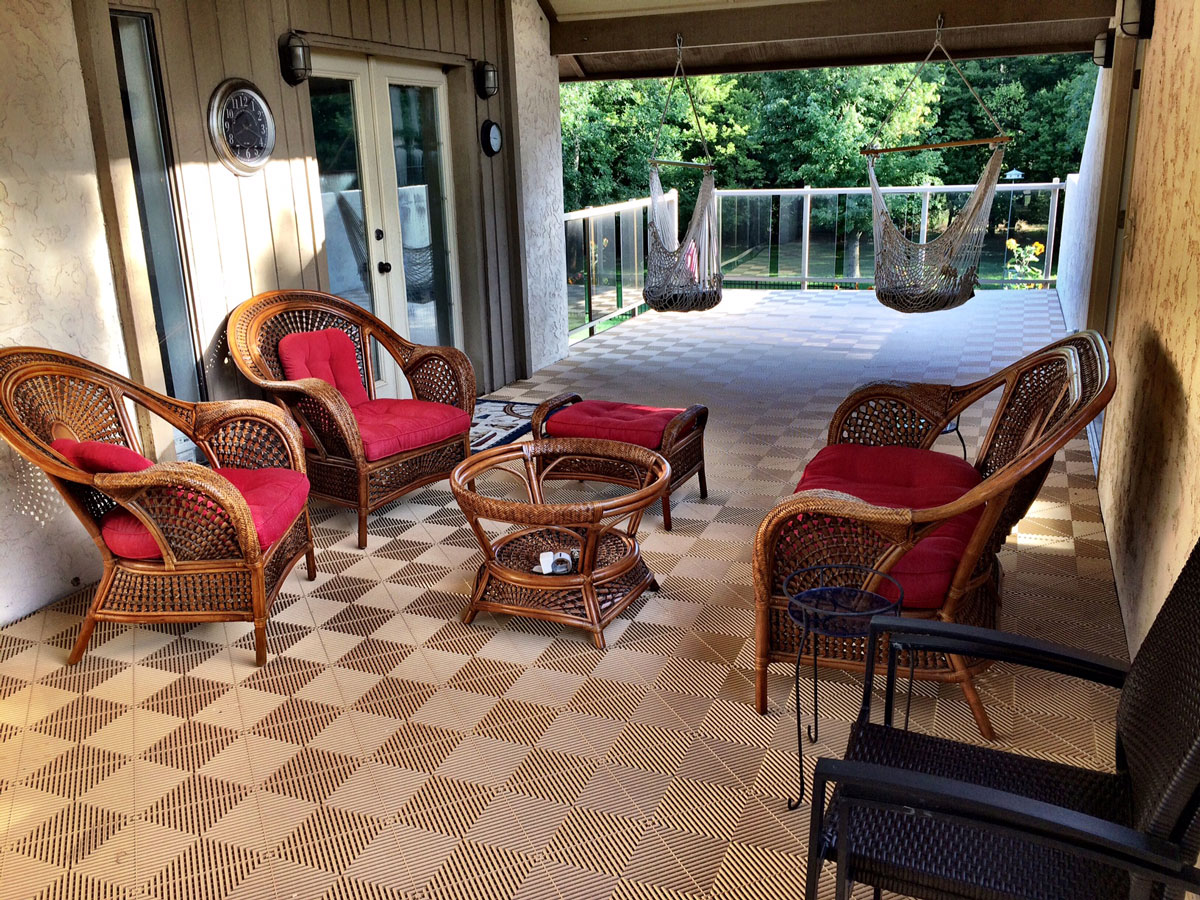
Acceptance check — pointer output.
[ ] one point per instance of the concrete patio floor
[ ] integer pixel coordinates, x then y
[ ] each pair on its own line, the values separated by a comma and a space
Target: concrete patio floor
388, 751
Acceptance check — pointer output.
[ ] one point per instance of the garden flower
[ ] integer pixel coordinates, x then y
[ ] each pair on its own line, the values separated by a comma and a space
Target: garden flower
1011, 244
1038, 248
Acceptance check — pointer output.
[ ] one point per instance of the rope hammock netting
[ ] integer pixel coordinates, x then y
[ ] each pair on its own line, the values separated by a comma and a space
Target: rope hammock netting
941, 274
682, 275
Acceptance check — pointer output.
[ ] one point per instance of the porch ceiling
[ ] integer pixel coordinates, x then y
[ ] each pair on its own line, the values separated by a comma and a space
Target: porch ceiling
626, 39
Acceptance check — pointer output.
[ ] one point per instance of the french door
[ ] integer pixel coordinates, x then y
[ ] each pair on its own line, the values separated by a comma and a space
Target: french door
380, 130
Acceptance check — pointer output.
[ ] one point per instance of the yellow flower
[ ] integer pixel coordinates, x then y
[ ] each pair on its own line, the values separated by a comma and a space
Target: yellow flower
1011, 244
1038, 248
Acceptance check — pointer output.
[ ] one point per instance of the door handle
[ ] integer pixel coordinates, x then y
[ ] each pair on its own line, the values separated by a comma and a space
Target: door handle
384, 268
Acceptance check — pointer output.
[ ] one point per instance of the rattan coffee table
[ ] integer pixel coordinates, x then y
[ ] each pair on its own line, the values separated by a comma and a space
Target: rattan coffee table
507, 486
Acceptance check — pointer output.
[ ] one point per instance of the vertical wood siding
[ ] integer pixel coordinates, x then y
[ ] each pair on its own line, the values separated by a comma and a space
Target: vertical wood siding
245, 235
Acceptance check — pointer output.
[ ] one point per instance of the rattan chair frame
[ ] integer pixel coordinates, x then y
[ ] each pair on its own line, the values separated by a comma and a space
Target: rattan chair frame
1152, 839
338, 467
611, 573
1047, 398
212, 568
682, 446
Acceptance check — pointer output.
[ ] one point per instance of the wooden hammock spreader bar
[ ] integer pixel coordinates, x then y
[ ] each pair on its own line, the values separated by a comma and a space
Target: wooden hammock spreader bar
876, 151
679, 162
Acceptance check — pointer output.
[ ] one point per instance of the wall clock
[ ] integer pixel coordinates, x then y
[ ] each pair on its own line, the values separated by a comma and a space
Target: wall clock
241, 126
490, 138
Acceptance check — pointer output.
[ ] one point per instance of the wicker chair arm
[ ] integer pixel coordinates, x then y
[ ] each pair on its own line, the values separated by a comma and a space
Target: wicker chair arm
893, 413
192, 512
813, 528
693, 418
547, 407
441, 375
920, 794
325, 411
249, 434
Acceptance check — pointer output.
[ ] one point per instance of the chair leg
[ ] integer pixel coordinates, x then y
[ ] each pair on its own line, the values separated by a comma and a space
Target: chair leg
362, 528
667, 511
760, 688
977, 710
703, 484
310, 559
260, 641
89, 623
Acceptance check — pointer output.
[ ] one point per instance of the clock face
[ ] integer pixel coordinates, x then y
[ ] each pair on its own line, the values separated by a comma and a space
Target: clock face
241, 126
491, 138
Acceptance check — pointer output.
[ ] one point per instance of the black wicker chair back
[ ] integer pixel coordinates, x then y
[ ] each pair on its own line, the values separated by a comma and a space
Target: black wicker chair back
1158, 720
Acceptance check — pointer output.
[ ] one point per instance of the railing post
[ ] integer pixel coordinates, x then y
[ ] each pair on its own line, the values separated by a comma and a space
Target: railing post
924, 215
1047, 266
804, 239
589, 271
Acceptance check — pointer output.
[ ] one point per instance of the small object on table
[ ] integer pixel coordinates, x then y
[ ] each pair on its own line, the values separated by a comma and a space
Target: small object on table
835, 611
678, 434
609, 574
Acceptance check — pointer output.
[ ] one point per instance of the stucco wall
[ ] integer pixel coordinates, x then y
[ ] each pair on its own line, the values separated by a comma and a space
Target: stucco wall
1149, 487
56, 285
541, 185
1079, 213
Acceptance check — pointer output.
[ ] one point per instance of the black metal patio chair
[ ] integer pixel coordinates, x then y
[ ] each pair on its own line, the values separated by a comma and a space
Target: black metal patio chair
932, 818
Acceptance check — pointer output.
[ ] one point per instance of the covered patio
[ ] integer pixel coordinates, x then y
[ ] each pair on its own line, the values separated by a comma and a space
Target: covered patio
388, 750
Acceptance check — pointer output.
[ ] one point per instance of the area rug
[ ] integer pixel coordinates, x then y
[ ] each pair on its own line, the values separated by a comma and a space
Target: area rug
499, 422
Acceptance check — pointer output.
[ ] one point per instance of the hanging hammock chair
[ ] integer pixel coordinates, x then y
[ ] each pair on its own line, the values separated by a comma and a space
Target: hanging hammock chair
941, 274
682, 275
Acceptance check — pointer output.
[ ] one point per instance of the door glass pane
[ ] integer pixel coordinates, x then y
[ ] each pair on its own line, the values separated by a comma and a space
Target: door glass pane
340, 173
417, 149
150, 159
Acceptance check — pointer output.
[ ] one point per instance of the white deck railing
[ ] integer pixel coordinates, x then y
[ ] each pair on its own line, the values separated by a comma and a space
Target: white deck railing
800, 237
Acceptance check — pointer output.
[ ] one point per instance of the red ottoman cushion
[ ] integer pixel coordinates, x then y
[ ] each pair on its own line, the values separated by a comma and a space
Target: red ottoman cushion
393, 426
275, 498
641, 425
99, 456
327, 354
905, 478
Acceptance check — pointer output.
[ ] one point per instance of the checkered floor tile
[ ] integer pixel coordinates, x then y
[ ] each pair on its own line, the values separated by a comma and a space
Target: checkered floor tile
388, 751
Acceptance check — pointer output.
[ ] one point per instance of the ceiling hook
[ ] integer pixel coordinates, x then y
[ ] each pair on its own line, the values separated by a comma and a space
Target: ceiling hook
940, 24
679, 48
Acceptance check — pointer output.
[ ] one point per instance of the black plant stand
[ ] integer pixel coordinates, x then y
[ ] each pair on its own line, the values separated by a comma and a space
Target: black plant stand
836, 611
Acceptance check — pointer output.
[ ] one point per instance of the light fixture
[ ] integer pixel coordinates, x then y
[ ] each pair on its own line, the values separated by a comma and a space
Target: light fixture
295, 58
1102, 49
487, 79
1137, 18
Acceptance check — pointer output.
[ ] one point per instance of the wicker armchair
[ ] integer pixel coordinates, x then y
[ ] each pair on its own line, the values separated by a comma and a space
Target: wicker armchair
204, 561
1048, 397
927, 817
339, 467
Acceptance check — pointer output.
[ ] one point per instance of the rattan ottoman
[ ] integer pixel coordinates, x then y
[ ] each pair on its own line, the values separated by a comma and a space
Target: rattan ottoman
505, 486
678, 434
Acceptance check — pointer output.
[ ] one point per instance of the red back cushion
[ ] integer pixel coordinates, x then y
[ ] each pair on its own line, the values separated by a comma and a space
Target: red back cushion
98, 456
327, 354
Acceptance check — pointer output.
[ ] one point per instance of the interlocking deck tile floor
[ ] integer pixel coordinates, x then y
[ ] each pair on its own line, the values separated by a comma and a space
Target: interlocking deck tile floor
387, 751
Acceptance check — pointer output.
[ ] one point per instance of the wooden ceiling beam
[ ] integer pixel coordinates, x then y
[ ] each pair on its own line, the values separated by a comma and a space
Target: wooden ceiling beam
819, 19
548, 11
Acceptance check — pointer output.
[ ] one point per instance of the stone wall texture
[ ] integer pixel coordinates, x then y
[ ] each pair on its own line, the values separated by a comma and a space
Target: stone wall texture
1149, 482
56, 287
541, 185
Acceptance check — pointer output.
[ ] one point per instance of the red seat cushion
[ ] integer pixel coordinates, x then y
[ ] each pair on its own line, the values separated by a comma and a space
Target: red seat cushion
393, 426
327, 354
275, 498
99, 456
905, 478
641, 425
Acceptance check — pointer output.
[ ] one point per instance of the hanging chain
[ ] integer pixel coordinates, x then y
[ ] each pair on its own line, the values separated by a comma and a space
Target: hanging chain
680, 73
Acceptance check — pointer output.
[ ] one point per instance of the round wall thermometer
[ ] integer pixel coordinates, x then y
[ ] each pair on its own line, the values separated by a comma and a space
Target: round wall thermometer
241, 126
491, 138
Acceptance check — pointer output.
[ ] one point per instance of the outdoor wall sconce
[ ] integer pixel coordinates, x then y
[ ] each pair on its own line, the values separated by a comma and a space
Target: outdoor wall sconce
487, 79
295, 58
1102, 50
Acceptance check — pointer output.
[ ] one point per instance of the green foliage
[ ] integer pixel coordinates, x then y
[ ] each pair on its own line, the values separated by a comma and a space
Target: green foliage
785, 129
